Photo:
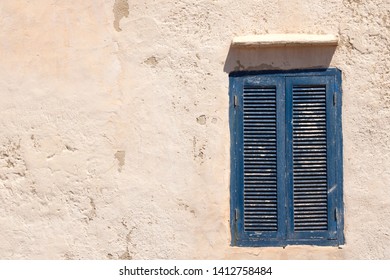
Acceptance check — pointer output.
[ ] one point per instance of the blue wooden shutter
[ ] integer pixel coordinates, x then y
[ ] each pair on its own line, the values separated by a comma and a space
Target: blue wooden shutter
286, 180
259, 151
311, 161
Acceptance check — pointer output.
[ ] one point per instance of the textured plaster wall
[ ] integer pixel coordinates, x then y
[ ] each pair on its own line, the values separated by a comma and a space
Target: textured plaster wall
114, 135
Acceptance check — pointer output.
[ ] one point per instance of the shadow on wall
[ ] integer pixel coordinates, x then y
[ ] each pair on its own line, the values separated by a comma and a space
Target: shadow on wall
278, 58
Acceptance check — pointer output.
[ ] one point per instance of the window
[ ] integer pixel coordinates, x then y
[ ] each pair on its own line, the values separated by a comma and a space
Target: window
286, 179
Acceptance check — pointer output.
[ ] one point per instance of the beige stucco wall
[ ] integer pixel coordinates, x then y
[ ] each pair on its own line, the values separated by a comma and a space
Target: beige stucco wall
114, 129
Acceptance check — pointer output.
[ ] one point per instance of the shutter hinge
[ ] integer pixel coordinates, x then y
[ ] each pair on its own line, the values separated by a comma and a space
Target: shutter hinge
334, 98
235, 214
235, 101
335, 214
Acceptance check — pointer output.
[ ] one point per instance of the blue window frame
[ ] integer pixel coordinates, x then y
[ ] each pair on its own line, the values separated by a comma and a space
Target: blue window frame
286, 158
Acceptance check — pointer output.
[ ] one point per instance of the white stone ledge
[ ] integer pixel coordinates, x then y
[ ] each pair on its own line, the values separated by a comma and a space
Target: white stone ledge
283, 40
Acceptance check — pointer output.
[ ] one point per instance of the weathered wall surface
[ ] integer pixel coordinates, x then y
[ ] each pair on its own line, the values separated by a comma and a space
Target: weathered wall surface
114, 135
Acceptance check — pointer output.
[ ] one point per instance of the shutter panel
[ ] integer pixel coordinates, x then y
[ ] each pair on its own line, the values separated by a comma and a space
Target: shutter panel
259, 149
310, 150
260, 165
310, 192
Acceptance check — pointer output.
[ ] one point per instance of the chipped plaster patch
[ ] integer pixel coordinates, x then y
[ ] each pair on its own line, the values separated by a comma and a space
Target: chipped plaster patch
120, 157
201, 120
12, 164
121, 10
151, 61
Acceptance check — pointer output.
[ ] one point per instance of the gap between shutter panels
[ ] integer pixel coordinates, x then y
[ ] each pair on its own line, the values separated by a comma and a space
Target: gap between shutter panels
310, 198
260, 173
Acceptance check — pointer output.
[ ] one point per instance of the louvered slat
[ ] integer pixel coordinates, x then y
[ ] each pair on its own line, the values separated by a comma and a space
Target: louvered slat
310, 159
260, 191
